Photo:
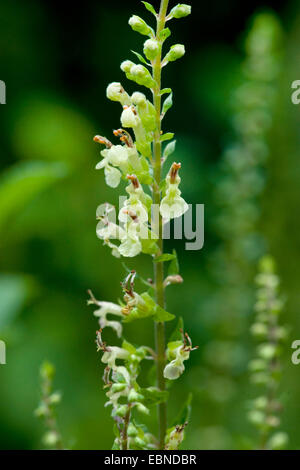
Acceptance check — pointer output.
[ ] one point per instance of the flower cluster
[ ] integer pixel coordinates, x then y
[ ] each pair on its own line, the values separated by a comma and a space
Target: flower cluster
266, 368
137, 158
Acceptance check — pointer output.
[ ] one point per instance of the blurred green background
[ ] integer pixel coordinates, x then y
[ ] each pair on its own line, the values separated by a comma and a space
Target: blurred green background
56, 61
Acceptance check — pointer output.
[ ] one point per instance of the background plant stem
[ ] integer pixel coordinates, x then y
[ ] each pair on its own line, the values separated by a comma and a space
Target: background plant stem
158, 267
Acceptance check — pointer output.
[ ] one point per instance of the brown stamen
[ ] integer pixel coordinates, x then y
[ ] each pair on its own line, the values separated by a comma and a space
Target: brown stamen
174, 171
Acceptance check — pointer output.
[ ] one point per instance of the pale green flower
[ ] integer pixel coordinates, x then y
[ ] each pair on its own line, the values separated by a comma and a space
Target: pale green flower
129, 117
105, 309
175, 52
180, 10
151, 48
139, 25
173, 205
112, 353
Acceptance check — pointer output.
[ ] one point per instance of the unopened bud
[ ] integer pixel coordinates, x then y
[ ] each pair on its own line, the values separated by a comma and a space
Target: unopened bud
128, 118
181, 10
151, 49
175, 52
116, 92
126, 65
138, 98
141, 75
139, 25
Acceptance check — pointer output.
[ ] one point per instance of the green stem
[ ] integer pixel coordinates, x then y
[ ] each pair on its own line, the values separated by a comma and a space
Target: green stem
158, 267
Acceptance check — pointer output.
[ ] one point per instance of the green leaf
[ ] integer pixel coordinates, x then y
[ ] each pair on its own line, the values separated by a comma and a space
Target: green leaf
176, 335
154, 396
162, 315
24, 181
165, 90
185, 412
167, 136
164, 257
168, 103
149, 7
164, 34
174, 265
140, 57
129, 347
170, 148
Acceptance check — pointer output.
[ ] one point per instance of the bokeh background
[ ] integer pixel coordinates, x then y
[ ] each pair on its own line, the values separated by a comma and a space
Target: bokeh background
56, 60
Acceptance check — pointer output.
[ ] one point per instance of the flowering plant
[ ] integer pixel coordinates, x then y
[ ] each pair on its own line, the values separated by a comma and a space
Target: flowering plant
151, 202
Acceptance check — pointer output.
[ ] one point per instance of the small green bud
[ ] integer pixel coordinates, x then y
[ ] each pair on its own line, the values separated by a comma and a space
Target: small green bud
141, 75
151, 49
41, 411
260, 403
139, 442
256, 417
259, 330
126, 66
139, 25
47, 371
55, 398
121, 411
267, 351
175, 52
138, 98
132, 431
133, 395
273, 421
278, 441
118, 387
181, 10
128, 118
115, 92
50, 439
257, 365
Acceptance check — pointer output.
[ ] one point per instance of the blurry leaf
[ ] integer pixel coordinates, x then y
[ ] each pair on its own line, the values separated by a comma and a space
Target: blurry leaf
164, 257
177, 335
154, 396
174, 265
168, 103
162, 315
185, 412
170, 148
149, 7
140, 57
22, 182
14, 290
167, 136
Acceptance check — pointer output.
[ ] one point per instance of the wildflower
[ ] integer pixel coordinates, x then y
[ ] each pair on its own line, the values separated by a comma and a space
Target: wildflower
177, 353
173, 205
139, 25
151, 49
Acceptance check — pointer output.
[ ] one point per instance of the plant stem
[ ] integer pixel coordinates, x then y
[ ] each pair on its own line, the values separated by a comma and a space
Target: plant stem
125, 430
158, 267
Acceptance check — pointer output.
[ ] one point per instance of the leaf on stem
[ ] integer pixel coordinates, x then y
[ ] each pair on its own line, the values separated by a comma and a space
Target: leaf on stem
140, 57
169, 149
150, 8
164, 257
168, 103
167, 136
174, 265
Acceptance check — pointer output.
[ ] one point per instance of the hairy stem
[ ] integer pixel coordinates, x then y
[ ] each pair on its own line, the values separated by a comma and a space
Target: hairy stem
158, 267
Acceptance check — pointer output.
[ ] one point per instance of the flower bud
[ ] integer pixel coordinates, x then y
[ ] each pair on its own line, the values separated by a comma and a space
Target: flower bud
128, 118
50, 438
180, 10
256, 417
138, 98
142, 409
175, 52
139, 25
151, 49
132, 430
141, 75
126, 66
115, 388
133, 396
122, 410
115, 92
55, 398
278, 441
